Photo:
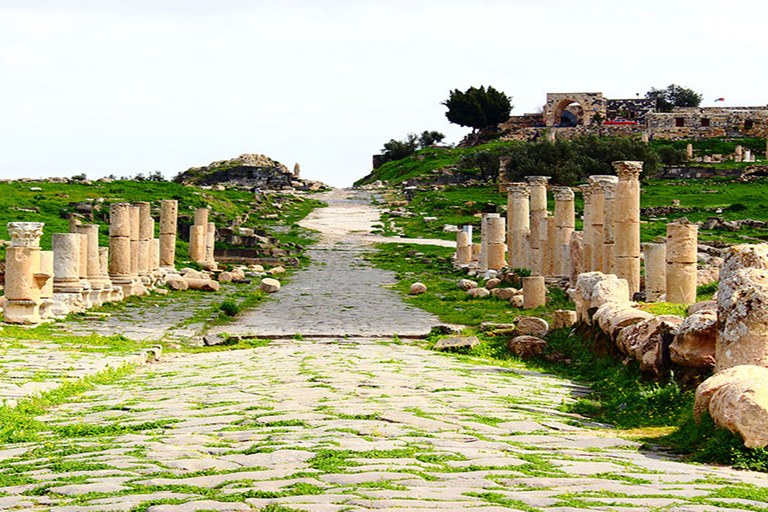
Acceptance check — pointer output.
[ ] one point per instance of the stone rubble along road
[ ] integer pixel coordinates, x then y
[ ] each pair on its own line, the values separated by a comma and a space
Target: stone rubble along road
331, 424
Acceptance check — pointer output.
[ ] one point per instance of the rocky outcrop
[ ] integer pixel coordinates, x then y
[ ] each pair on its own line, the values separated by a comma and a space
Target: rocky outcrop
247, 171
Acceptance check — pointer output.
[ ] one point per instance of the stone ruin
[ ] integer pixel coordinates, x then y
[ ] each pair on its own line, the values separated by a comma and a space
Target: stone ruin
601, 266
78, 274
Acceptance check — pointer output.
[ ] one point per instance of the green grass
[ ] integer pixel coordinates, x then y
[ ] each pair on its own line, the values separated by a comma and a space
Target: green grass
55, 198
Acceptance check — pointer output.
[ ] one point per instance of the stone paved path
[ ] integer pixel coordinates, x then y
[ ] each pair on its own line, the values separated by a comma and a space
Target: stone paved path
340, 293
343, 426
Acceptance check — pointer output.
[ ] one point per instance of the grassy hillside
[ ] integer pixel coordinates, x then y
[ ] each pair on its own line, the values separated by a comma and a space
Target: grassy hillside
54, 201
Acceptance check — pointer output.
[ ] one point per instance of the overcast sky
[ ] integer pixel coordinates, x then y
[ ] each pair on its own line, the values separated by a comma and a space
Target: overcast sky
135, 86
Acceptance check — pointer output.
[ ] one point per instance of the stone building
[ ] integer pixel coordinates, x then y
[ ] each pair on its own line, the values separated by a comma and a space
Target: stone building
581, 113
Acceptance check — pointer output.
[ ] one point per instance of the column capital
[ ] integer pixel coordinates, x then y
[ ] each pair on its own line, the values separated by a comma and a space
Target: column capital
604, 184
537, 181
518, 190
586, 191
628, 169
563, 193
25, 234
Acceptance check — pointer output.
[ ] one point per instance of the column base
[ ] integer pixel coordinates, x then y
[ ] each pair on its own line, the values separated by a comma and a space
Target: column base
25, 312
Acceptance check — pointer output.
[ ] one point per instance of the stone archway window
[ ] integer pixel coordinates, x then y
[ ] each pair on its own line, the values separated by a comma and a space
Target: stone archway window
704, 121
748, 124
569, 113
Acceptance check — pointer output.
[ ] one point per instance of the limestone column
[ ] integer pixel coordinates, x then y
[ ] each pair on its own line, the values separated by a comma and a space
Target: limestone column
586, 257
597, 217
197, 235
210, 243
682, 246
565, 222
92, 263
538, 212
518, 216
155, 254
534, 292
169, 213
464, 245
496, 251
689, 151
67, 291
122, 269
575, 256
46, 292
626, 217
609, 254
549, 232
655, 256
85, 284
135, 230
112, 293
482, 262
23, 279
146, 234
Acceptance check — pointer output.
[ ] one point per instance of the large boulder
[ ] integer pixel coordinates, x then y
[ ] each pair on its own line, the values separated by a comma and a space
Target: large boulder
205, 285
737, 399
177, 283
593, 289
743, 319
478, 293
532, 326
563, 318
467, 284
417, 289
526, 347
269, 285
648, 342
694, 343
504, 293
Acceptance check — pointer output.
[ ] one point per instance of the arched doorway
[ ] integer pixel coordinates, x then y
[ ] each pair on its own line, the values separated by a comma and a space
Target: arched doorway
569, 113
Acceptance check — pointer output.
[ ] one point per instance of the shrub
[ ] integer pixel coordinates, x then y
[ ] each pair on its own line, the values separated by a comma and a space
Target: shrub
229, 307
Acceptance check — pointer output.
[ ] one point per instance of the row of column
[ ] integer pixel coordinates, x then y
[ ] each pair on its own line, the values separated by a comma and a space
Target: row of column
78, 274
609, 243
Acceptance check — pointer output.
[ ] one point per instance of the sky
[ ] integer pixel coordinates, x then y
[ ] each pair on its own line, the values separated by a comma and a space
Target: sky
121, 87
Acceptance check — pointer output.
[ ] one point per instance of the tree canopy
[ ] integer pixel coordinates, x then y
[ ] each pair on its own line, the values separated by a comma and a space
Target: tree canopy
397, 149
478, 107
674, 96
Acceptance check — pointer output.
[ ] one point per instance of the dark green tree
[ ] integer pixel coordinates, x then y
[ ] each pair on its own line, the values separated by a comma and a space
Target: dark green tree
397, 149
478, 107
489, 163
430, 137
674, 96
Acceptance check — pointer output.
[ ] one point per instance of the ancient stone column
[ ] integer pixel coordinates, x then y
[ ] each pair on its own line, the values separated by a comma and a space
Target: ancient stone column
197, 235
549, 255
482, 261
169, 213
46, 292
575, 256
538, 212
85, 284
23, 279
496, 248
145, 236
112, 293
609, 254
682, 246
123, 218
655, 256
155, 254
67, 291
689, 151
565, 222
518, 217
92, 263
626, 217
135, 230
464, 245
586, 264
210, 242
534, 292
597, 217
739, 153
